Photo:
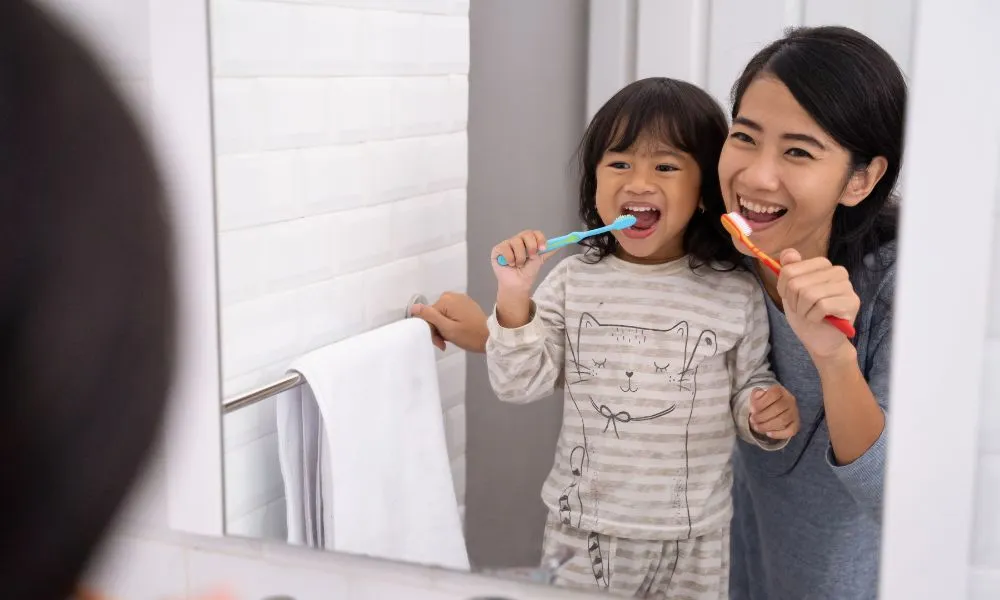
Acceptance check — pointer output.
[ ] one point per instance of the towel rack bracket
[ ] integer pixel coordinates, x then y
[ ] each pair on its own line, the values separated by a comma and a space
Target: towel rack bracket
414, 299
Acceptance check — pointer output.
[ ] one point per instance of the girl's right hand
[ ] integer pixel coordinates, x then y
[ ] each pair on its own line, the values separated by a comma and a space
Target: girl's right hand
523, 263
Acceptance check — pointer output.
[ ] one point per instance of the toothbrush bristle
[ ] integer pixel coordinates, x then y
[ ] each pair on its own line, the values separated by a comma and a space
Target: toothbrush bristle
624, 221
738, 220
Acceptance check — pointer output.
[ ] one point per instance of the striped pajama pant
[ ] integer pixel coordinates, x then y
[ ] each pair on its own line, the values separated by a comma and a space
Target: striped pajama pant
691, 569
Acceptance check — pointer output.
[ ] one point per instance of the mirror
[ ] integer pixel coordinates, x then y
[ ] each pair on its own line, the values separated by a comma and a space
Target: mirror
368, 152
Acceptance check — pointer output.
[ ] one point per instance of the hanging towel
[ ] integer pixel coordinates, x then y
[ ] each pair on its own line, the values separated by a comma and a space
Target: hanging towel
363, 452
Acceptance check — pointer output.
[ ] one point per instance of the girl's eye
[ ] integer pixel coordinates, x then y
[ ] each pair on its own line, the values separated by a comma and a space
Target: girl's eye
798, 153
618, 165
666, 168
739, 135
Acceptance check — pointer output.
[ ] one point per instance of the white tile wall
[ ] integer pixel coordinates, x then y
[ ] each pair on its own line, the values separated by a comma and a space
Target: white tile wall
341, 172
984, 577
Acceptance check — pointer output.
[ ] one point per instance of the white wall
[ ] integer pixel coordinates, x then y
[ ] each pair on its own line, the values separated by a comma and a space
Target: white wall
985, 560
341, 174
944, 450
707, 42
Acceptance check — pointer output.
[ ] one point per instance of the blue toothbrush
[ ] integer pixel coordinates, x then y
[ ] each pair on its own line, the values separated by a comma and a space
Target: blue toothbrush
622, 222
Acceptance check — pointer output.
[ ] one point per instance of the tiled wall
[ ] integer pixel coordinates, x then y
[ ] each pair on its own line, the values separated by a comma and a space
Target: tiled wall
341, 173
985, 575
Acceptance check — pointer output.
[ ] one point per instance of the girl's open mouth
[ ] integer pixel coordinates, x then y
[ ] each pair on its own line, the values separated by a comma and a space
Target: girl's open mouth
646, 218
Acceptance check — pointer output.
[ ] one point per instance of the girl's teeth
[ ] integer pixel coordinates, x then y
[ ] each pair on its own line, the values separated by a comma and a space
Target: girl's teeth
639, 208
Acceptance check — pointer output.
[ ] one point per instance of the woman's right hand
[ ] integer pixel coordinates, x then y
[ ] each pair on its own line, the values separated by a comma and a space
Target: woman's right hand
523, 263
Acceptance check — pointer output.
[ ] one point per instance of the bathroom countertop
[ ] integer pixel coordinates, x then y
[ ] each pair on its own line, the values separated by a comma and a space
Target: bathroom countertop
151, 563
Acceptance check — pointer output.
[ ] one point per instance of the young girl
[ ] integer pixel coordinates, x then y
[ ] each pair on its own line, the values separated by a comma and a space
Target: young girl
660, 344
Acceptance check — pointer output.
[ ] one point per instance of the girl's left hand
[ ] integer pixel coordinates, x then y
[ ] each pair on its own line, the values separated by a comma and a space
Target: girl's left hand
774, 413
810, 290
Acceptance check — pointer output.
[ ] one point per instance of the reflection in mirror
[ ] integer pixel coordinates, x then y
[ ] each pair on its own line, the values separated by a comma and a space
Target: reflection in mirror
347, 136
341, 168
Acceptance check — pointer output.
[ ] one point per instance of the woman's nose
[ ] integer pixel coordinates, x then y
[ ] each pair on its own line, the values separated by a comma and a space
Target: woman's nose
761, 174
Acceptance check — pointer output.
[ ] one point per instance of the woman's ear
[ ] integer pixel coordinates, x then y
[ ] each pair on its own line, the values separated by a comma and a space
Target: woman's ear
863, 181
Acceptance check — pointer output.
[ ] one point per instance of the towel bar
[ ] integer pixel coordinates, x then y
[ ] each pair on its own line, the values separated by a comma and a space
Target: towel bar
291, 380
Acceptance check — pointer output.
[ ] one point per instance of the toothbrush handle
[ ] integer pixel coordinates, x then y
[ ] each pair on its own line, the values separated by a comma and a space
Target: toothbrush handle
842, 324
559, 242
550, 245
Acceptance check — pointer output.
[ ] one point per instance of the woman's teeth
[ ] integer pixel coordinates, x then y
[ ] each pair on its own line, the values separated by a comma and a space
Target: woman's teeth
760, 208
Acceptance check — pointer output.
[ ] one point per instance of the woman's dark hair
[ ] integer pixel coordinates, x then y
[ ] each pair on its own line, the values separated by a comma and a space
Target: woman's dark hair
855, 91
86, 304
677, 113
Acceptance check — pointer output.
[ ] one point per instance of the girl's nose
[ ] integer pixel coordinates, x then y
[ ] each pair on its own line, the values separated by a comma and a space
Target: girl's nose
638, 183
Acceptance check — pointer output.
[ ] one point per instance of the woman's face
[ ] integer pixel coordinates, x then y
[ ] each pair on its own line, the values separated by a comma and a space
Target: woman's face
784, 173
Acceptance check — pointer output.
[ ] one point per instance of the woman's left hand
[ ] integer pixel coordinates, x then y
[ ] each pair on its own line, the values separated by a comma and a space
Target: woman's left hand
810, 290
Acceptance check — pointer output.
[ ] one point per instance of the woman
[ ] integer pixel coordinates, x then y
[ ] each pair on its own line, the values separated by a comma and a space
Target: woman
811, 161
87, 312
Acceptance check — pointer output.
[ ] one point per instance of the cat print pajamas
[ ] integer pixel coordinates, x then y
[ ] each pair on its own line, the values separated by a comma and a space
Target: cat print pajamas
657, 364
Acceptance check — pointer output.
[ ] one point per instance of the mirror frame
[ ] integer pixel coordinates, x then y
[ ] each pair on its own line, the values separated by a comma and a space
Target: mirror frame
182, 127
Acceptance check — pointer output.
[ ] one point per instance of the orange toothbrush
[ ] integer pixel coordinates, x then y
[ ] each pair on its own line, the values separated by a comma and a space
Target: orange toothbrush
738, 227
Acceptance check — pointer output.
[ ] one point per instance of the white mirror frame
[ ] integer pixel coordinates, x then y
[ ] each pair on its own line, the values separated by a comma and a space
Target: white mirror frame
182, 123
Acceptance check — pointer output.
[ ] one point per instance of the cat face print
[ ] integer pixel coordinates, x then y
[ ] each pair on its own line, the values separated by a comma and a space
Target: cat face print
635, 359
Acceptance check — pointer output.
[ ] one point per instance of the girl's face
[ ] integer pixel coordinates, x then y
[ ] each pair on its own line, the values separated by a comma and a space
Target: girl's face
785, 174
661, 186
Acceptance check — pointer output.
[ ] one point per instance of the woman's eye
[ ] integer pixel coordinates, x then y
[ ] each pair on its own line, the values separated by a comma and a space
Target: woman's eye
739, 135
798, 153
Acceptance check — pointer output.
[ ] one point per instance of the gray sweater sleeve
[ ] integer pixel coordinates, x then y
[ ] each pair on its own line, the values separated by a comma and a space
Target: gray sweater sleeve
864, 477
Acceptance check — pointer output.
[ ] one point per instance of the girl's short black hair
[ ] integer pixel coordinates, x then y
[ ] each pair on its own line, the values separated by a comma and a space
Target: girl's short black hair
855, 91
687, 118
86, 304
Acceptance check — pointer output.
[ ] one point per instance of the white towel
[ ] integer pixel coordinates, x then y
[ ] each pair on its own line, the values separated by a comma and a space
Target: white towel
373, 478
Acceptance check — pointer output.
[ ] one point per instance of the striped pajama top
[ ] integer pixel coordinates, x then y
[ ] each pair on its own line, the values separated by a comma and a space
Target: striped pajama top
657, 364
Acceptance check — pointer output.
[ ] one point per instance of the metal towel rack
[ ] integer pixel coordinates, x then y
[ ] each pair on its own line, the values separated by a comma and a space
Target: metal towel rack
291, 380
